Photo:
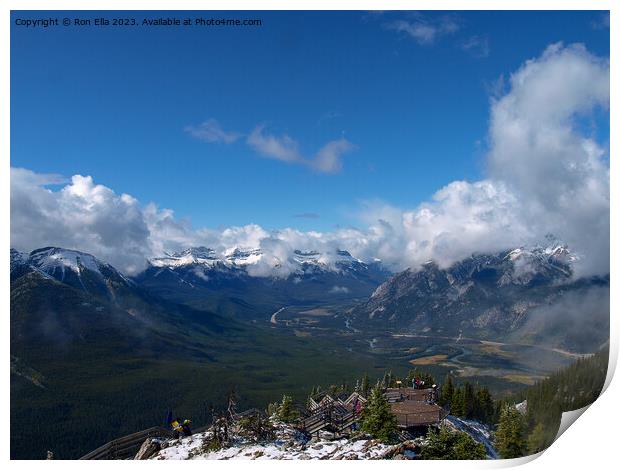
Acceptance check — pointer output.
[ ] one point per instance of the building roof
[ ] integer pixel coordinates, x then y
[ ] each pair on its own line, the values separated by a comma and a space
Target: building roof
417, 413
414, 407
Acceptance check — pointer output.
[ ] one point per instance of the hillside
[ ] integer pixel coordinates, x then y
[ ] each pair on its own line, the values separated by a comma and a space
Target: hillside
93, 358
571, 388
522, 295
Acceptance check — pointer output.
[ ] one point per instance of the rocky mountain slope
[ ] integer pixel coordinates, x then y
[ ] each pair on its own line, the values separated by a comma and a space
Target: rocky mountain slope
485, 296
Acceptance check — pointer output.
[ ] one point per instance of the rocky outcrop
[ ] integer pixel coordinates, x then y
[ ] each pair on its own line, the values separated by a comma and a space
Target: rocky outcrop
148, 449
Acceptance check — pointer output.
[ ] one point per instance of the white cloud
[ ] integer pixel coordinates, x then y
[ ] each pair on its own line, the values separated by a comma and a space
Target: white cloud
211, 131
81, 215
477, 46
544, 176
327, 160
424, 30
282, 148
539, 150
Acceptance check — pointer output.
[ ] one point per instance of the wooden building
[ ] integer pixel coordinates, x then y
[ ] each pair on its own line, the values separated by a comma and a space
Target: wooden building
415, 408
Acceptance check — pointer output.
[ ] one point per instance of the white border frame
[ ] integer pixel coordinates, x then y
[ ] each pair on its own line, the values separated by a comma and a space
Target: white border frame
589, 444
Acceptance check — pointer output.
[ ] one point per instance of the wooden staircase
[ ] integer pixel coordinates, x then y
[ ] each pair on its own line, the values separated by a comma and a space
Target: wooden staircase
331, 416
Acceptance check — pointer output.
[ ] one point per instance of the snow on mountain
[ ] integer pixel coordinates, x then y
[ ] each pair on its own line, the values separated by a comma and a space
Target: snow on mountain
249, 259
527, 263
49, 260
243, 257
18, 258
480, 295
199, 255
63, 265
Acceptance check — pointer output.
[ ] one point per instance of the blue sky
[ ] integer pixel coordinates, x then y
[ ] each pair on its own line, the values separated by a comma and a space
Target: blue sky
412, 102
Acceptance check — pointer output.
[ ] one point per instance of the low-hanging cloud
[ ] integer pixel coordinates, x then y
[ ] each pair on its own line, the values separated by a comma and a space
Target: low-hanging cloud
561, 323
544, 175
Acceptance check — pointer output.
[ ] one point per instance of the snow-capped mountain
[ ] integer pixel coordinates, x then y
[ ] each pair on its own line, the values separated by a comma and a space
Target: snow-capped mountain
485, 294
199, 256
257, 283
71, 267
237, 258
546, 261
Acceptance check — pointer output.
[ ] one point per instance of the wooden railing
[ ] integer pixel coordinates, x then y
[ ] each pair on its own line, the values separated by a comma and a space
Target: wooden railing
127, 447
332, 415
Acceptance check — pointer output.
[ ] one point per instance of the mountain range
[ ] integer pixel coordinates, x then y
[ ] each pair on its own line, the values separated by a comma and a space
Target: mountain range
91, 344
96, 354
231, 285
491, 296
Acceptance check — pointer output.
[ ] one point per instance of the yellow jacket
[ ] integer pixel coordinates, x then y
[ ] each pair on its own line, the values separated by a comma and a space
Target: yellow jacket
177, 426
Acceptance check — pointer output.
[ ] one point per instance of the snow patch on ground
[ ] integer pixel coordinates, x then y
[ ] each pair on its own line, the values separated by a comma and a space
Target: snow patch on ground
478, 431
287, 445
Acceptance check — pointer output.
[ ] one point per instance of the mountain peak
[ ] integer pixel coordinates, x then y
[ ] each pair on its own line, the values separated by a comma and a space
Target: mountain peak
49, 259
192, 255
65, 265
240, 257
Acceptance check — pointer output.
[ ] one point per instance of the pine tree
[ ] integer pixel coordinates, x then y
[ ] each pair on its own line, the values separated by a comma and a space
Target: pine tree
411, 375
537, 441
451, 445
377, 417
286, 413
468, 401
388, 379
446, 391
510, 435
428, 380
484, 411
365, 386
456, 405
466, 448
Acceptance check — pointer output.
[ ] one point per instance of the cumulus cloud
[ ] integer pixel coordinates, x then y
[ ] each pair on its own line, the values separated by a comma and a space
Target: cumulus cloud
81, 215
211, 131
424, 30
327, 160
545, 175
538, 149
